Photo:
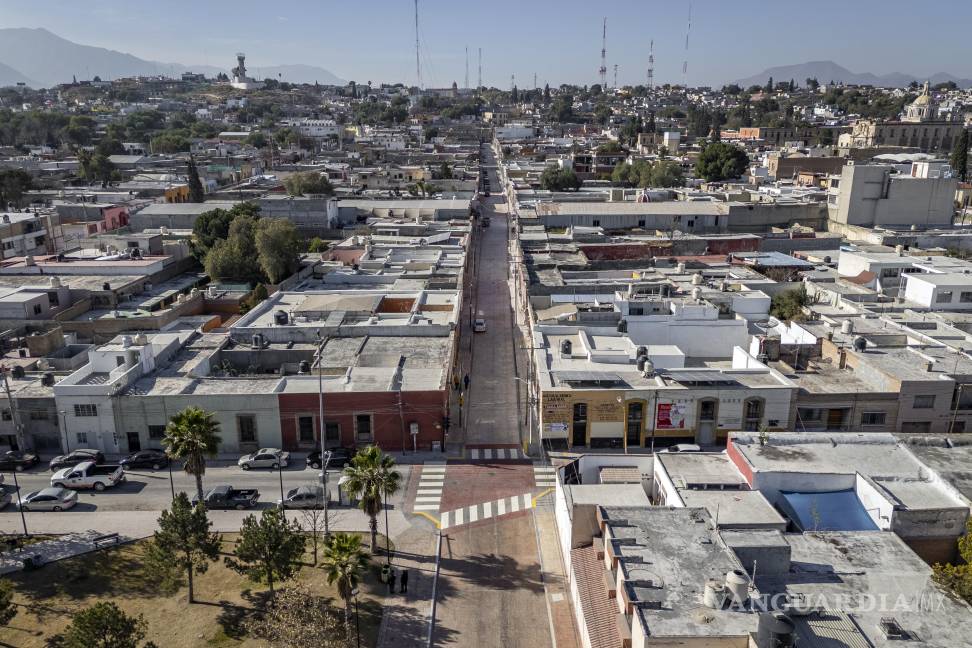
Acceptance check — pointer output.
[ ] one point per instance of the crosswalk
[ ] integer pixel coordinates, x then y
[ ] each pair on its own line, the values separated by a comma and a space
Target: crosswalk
544, 476
495, 454
486, 510
429, 494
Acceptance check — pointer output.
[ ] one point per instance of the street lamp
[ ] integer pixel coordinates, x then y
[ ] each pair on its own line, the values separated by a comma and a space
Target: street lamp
67, 439
325, 460
387, 531
357, 625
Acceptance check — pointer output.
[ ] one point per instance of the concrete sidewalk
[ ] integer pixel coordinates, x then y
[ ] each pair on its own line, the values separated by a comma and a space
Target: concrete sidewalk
405, 622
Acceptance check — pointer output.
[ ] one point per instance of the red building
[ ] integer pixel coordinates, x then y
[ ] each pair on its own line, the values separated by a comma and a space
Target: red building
385, 419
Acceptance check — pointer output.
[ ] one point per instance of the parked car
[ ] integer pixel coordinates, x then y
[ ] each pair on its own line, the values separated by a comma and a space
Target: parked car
265, 458
49, 499
683, 447
6, 496
303, 497
19, 461
340, 457
87, 474
227, 497
154, 459
75, 457
479, 325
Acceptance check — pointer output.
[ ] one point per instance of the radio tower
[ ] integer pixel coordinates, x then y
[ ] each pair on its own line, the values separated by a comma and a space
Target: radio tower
615, 75
688, 30
479, 79
418, 64
651, 65
467, 68
602, 71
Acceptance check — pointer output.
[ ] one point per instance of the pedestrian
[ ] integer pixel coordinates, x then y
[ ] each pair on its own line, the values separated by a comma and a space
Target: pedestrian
455, 382
391, 582
404, 581
465, 381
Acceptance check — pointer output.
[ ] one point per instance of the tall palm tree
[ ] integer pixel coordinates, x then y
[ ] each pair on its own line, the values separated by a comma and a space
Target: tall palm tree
344, 561
192, 435
372, 478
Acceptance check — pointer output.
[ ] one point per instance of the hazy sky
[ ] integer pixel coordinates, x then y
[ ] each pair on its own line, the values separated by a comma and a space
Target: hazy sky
559, 41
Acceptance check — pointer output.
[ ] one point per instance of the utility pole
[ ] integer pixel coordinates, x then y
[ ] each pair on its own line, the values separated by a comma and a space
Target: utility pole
325, 455
14, 415
418, 65
602, 71
688, 30
615, 75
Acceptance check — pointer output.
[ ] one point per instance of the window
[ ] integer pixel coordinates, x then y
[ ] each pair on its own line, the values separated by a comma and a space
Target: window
332, 433
38, 309
52, 299
943, 297
246, 427
6, 415
873, 418
37, 415
924, 402
156, 432
636, 310
889, 272
597, 222
82, 437
119, 361
957, 427
86, 410
965, 297
305, 429
752, 414
362, 428
641, 223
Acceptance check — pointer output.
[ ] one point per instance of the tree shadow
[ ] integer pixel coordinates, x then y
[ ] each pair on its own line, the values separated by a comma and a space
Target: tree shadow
493, 571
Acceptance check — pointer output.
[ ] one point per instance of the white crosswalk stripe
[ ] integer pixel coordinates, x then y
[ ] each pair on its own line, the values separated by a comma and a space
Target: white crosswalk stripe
497, 454
544, 476
486, 510
428, 497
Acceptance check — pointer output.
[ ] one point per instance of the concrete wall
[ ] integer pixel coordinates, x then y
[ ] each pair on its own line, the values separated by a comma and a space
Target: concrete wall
870, 196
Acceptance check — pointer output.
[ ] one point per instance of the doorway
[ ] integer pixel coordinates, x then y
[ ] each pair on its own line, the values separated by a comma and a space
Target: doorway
708, 410
633, 424
579, 425
134, 442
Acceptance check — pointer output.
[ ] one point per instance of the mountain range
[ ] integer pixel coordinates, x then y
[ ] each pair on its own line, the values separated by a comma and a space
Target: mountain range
40, 59
826, 71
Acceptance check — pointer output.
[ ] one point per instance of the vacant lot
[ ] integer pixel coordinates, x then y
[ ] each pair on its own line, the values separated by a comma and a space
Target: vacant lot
224, 599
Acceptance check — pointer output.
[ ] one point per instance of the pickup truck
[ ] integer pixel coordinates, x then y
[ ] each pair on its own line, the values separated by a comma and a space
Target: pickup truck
227, 497
88, 474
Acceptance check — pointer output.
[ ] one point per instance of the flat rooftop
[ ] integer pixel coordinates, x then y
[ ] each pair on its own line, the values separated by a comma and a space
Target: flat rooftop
740, 509
701, 469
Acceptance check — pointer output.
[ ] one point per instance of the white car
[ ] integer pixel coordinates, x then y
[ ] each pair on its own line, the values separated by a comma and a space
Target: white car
683, 447
265, 458
479, 325
303, 497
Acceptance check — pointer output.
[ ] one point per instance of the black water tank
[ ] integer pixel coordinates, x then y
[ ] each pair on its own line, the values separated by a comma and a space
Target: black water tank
48, 379
106, 286
860, 344
303, 367
623, 326
642, 360
642, 351
281, 317
566, 347
18, 371
775, 630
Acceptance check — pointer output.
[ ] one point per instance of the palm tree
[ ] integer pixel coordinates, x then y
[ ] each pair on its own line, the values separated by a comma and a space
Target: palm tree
372, 478
344, 561
192, 435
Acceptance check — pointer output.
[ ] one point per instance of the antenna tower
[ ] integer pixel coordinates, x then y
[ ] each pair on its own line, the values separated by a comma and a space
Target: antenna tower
479, 79
602, 71
418, 64
651, 65
615, 75
467, 68
688, 31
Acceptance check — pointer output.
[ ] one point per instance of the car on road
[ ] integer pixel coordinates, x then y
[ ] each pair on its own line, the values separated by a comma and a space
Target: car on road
227, 497
19, 461
265, 458
683, 447
340, 457
479, 325
88, 474
6, 496
49, 499
154, 459
75, 457
303, 497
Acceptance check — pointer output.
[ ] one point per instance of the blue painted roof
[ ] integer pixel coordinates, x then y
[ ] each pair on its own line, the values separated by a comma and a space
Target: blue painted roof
831, 511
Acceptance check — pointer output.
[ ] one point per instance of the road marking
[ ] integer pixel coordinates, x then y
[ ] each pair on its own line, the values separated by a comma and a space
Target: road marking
473, 513
496, 508
514, 504
458, 514
429, 491
527, 500
426, 507
428, 496
445, 520
427, 500
487, 509
501, 507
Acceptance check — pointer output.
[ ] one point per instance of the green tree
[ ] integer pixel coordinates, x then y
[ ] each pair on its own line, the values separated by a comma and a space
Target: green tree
96, 167
562, 109
769, 85
13, 184
602, 113
514, 95
300, 184
788, 305
662, 174
611, 146
278, 248
371, 479
192, 435
960, 156
546, 93
344, 562
269, 549
184, 540
256, 139
554, 178
445, 171
213, 225
317, 245
103, 625
196, 193
170, 142
957, 579
721, 161
8, 609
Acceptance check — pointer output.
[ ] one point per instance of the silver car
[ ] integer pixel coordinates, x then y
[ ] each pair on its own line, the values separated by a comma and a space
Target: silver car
50, 499
303, 497
265, 458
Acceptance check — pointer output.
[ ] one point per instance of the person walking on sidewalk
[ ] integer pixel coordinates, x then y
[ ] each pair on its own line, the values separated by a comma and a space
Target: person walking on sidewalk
404, 580
465, 382
391, 582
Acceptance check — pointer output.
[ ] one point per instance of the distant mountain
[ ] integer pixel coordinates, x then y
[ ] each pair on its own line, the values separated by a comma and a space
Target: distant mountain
10, 76
826, 71
47, 59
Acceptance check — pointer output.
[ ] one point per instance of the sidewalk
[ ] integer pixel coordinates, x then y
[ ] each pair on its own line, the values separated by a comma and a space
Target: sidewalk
405, 622
555, 582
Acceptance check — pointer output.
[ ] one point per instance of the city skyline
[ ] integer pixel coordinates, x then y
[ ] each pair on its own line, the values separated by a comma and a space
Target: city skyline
291, 34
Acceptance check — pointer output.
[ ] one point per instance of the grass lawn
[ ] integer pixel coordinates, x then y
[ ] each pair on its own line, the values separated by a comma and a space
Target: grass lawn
224, 599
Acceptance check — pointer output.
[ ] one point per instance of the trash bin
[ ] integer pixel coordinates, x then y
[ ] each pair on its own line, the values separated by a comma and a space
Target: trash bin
385, 573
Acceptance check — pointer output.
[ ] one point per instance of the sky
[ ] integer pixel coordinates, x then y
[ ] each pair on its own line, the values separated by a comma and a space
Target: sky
558, 41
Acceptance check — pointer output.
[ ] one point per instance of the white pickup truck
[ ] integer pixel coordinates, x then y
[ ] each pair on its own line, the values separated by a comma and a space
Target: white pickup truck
87, 474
